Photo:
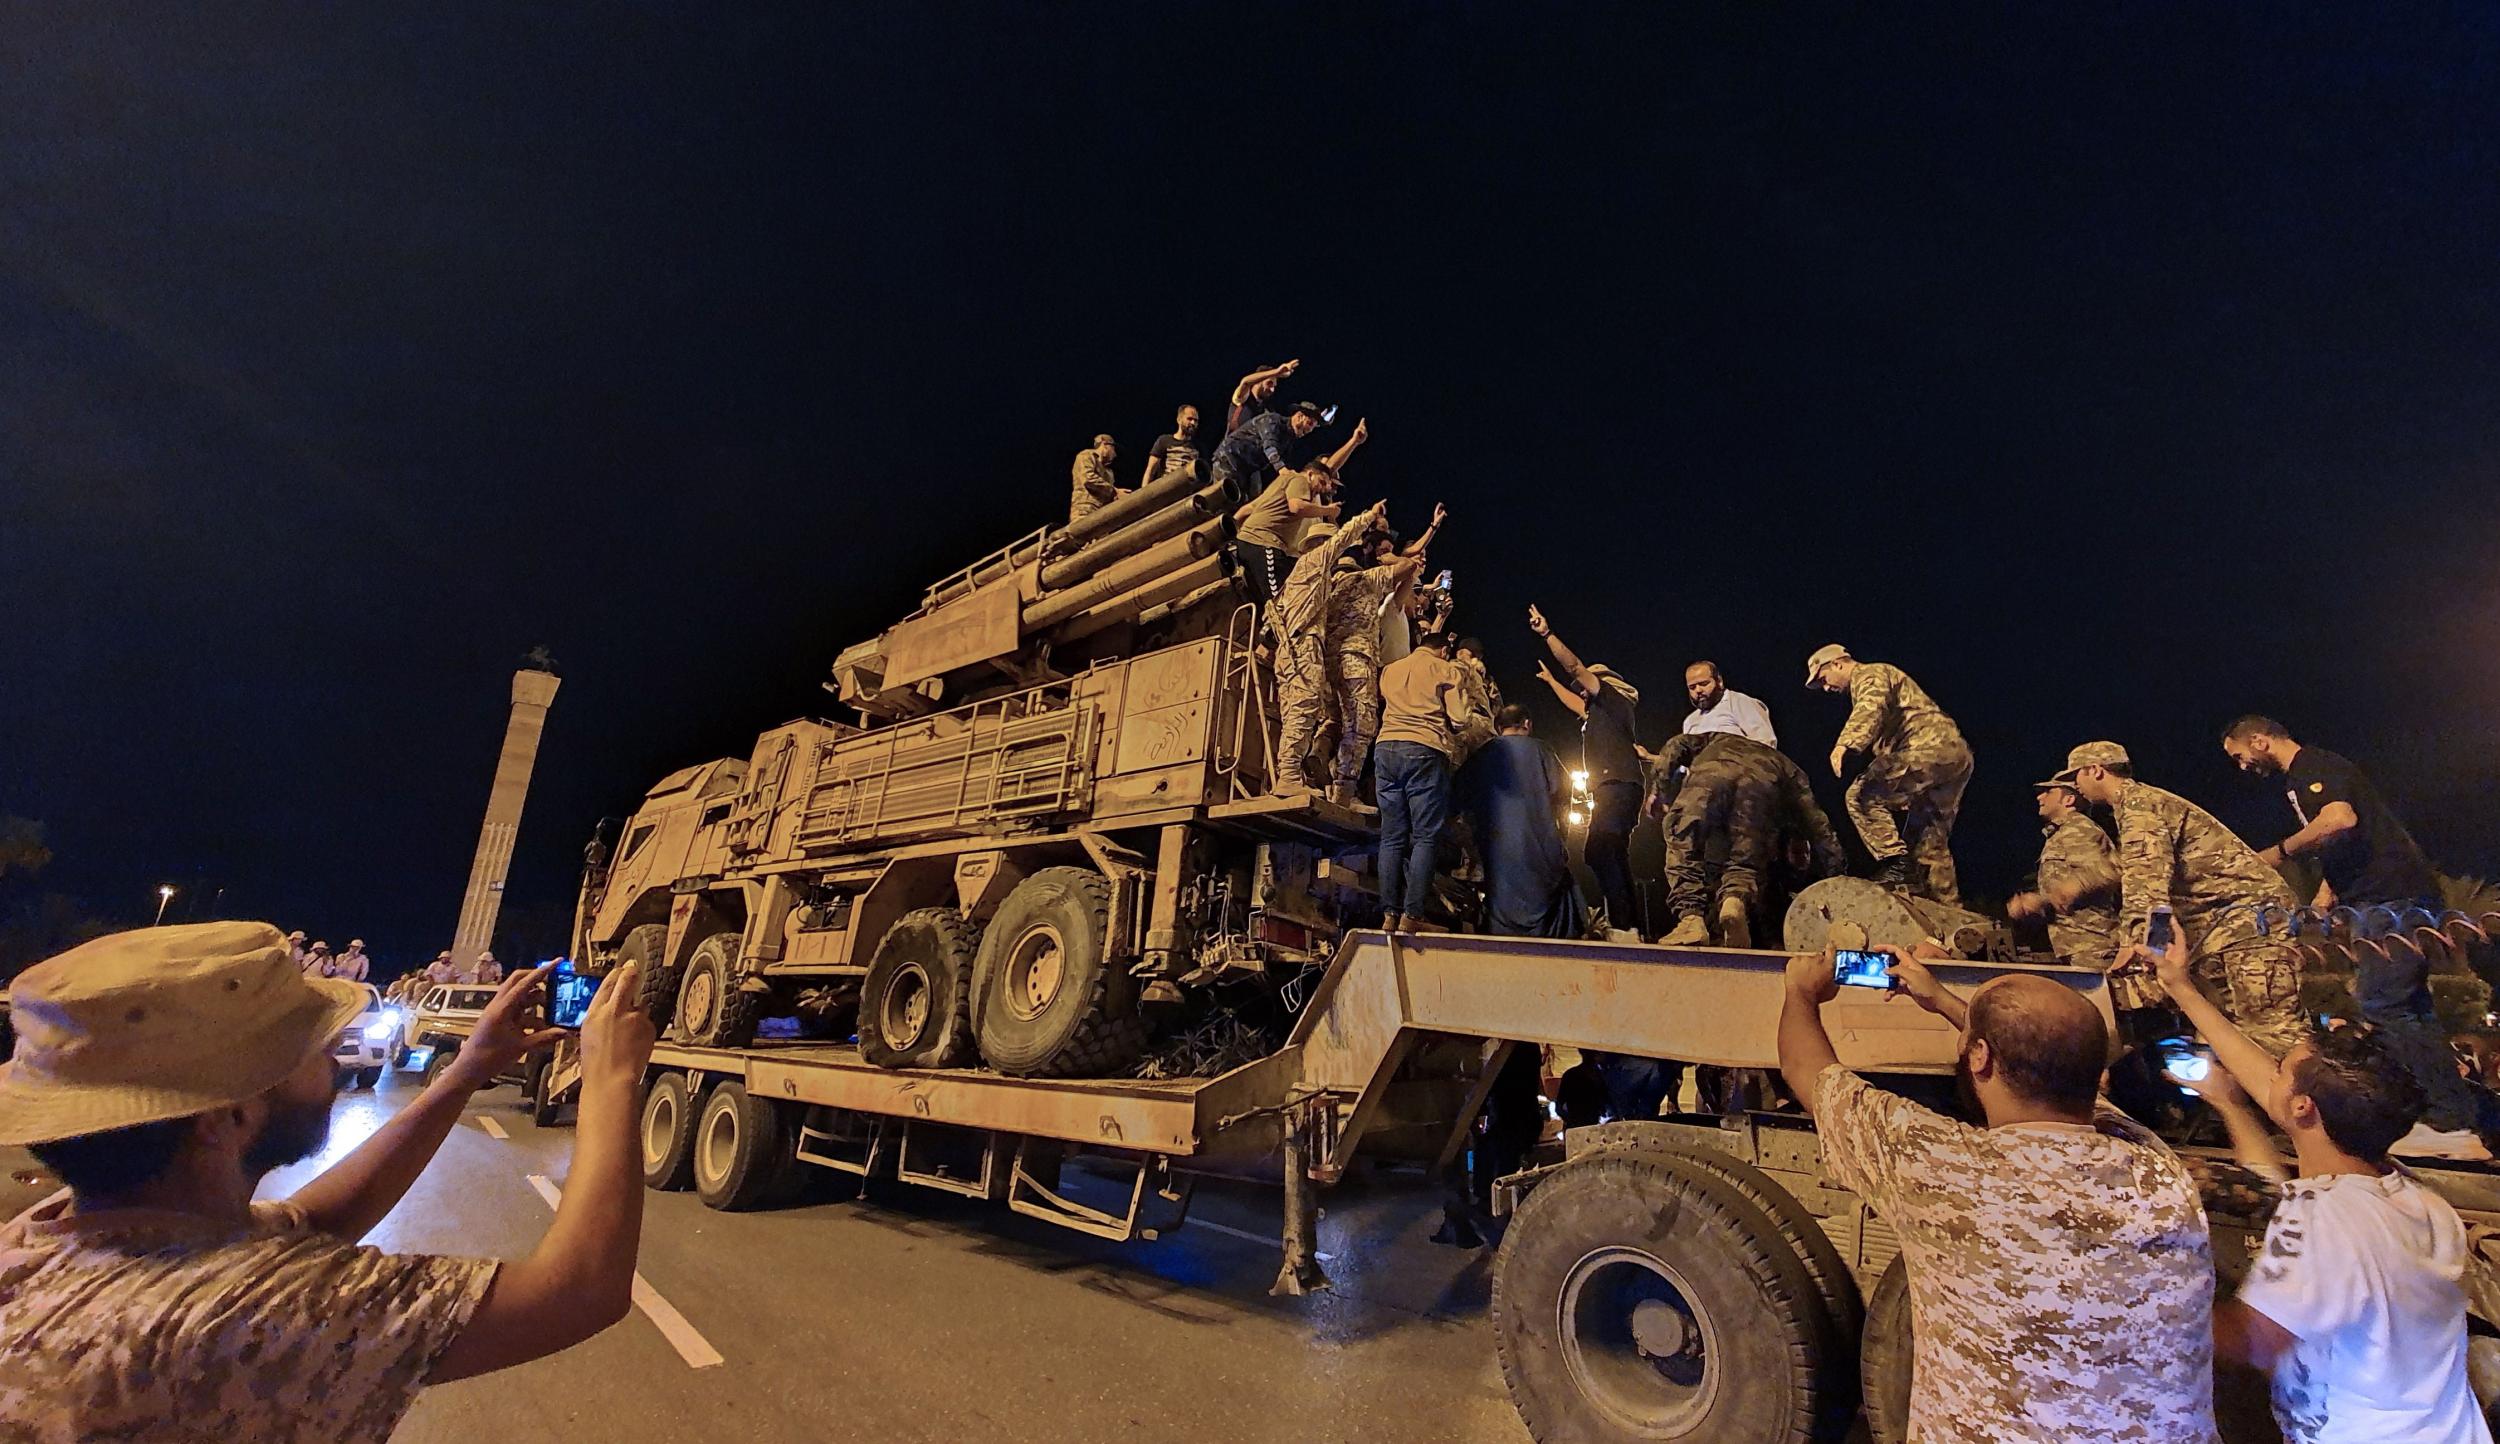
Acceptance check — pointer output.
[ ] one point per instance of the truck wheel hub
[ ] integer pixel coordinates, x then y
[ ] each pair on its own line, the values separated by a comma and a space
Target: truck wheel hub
905, 1014
1636, 1346
1034, 972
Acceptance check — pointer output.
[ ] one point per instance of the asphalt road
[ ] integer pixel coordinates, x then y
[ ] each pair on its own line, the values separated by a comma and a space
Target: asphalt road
914, 1316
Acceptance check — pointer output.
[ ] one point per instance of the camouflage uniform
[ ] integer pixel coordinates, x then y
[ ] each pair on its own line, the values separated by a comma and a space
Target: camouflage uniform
1484, 699
1089, 483
2172, 851
1306, 684
1352, 651
2061, 1278
2075, 853
1749, 793
1917, 765
144, 1324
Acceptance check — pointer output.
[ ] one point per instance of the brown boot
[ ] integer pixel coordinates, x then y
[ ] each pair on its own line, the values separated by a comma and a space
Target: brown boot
1691, 930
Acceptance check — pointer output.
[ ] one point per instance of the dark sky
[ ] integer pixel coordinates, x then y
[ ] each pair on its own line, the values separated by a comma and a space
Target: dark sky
2115, 370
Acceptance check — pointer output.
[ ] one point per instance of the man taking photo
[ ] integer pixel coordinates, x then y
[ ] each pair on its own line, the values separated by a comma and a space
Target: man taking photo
2060, 1274
2356, 1304
162, 1074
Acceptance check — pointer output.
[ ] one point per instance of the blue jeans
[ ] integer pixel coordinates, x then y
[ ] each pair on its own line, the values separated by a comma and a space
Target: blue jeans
1412, 782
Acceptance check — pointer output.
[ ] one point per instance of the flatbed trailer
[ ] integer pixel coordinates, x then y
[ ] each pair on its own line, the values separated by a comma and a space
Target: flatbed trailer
1773, 1310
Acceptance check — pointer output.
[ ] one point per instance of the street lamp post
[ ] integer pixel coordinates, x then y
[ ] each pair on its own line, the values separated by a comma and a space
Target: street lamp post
164, 895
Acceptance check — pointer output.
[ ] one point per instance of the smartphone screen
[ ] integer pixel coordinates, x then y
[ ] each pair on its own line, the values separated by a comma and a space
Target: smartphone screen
2157, 932
569, 994
1855, 969
2185, 1063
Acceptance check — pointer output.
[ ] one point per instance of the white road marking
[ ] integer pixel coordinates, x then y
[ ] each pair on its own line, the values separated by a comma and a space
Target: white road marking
1275, 1243
493, 1129
690, 1344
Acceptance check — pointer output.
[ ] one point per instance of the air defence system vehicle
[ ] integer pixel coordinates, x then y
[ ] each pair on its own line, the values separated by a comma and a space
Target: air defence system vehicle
1043, 838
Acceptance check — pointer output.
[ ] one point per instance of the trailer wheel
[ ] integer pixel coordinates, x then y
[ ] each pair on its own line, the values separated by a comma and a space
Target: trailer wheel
656, 991
744, 1153
1884, 1357
1047, 1001
713, 1011
668, 1120
544, 1106
912, 1004
1636, 1298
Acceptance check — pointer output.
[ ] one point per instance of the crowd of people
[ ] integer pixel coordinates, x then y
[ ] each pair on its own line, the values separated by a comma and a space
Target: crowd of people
315, 960
2057, 1252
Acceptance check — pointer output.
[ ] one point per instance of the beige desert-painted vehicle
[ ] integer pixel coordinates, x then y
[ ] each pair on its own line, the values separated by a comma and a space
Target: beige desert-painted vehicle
1045, 843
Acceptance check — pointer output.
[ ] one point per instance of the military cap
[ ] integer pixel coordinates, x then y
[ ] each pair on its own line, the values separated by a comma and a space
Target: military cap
2093, 754
1823, 657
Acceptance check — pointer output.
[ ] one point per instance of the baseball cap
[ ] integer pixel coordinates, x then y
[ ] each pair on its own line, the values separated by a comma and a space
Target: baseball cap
1311, 409
161, 1023
1823, 657
2093, 754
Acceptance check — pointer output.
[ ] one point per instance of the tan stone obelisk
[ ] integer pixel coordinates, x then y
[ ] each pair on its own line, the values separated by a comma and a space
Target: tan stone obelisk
533, 688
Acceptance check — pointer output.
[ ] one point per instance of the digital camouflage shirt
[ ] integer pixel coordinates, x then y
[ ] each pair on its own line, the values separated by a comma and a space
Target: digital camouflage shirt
2172, 851
2061, 1279
136, 1324
1890, 714
2077, 856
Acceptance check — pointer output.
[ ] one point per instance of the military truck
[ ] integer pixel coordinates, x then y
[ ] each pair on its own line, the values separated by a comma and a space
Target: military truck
1044, 841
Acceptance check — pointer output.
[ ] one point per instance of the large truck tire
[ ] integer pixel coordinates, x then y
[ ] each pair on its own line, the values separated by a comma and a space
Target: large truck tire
544, 1106
914, 1003
1047, 1001
1639, 1298
1884, 1356
745, 1153
713, 1010
655, 990
669, 1114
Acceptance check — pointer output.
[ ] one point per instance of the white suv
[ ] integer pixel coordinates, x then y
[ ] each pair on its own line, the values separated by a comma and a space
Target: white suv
365, 1046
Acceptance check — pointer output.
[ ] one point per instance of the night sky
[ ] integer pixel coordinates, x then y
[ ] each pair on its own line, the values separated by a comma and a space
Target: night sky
2114, 370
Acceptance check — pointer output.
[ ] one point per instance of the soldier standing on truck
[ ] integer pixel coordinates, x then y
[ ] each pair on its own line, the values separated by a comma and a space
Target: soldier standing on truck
1090, 480
2174, 853
2078, 894
1363, 582
1733, 788
1266, 526
1255, 394
1916, 768
1304, 699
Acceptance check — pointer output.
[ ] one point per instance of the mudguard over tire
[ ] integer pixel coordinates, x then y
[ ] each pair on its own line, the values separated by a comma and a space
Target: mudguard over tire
745, 1153
713, 1010
1639, 1298
1047, 1000
913, 1005
655, 991
669, 1115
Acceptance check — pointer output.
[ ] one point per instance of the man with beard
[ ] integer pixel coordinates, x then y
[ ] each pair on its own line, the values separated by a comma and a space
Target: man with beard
162, 1074
1090, 482
2369, 863
1723, 792
1175, 450
2059, 1266
1718, 709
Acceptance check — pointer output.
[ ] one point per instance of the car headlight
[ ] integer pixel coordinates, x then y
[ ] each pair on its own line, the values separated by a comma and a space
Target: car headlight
376, 1032
392, 1017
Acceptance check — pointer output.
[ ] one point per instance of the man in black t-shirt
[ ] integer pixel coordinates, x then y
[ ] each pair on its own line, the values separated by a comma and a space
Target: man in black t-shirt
2372, 866
1175, 450
2368, 858
1605, 703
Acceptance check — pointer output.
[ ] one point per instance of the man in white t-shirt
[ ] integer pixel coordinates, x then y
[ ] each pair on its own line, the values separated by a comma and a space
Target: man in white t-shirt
2356, 1305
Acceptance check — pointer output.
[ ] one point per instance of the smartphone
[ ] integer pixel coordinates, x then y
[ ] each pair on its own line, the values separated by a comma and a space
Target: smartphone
2157, 932
2184, 1062
569, 994
1854, 968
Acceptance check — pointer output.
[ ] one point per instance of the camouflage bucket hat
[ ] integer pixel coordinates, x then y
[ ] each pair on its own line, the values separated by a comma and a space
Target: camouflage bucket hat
1823, 657
160, 1023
